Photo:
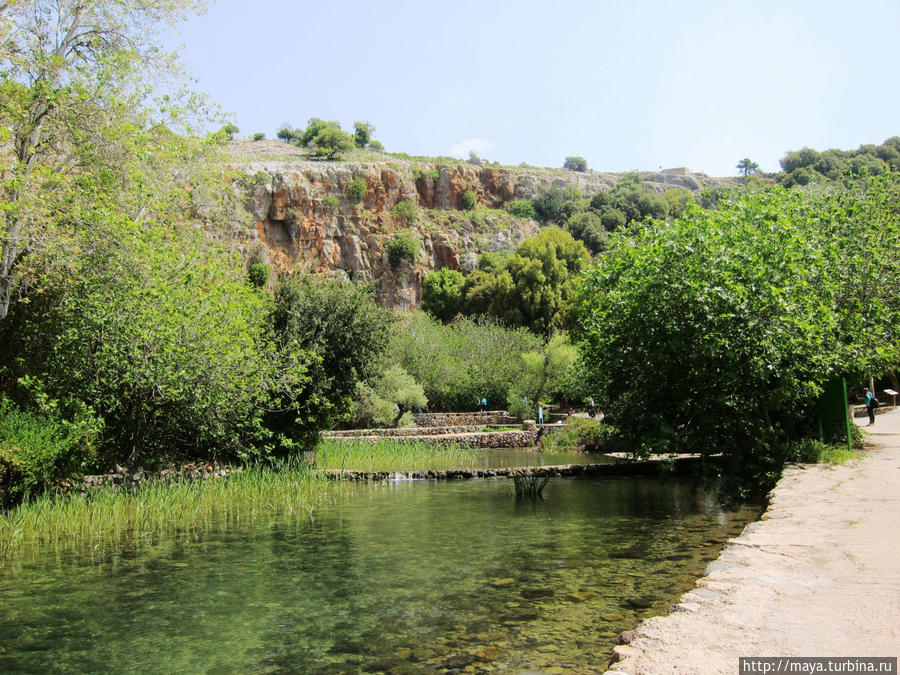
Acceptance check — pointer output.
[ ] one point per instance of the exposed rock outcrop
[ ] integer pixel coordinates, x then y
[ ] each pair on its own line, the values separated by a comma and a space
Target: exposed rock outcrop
307, 221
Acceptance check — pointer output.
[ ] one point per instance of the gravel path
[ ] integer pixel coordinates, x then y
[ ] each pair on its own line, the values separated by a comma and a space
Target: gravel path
819, 575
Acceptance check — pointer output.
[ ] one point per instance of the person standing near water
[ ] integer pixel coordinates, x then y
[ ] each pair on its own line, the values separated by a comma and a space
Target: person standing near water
871, 404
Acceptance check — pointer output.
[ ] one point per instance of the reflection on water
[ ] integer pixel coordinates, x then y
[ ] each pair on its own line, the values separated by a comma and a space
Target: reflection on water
396, 577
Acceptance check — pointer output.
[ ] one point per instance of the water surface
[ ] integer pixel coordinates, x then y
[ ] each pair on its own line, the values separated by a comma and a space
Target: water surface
395, 577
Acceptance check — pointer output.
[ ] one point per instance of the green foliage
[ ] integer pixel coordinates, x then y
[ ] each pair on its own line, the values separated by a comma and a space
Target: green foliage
814, 451
522, 208
545, 369
356, 190
155, 329
258, 274
258, 136
747, 166
392, 455
325, 138
580, 434
406, 211
341, 333
556, 205
535, 286
403, 246
287, 134
362, 134
576, 164
805, 166
469, 200
461, 363
717, 332
442, 293
330, 204
38, 448
229, 131
393, 395
587, 227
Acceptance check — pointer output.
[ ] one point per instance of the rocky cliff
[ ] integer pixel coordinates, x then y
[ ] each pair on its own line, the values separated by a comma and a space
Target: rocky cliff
307, 220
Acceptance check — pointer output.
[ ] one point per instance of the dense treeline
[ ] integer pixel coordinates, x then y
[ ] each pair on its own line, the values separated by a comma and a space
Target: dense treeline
801, 167
717, 332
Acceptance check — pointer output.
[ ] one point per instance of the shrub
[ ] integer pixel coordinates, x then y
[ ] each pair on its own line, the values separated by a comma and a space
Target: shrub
575, 164
330, 204
522, 208
469, 200
37, 448
258, 274
356, 190
258, 136
442, 293
405, 211
402, 247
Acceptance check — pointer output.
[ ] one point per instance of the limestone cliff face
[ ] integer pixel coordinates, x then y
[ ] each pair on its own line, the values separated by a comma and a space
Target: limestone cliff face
307, 222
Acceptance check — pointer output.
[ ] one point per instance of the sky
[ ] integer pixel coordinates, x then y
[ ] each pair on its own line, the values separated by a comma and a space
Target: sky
626, 84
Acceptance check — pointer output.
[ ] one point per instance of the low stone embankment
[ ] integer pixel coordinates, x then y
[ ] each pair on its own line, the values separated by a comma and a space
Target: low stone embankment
650, 467
485, 418
406, 431
487, 439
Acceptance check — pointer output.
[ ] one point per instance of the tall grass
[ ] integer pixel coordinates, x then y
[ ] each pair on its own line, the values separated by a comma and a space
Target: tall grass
112, 518
391, 455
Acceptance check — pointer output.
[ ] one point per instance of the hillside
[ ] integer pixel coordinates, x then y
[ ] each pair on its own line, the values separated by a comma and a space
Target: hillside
307, 221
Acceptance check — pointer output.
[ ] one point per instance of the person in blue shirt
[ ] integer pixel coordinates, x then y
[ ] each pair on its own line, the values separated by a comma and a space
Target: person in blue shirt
871, 404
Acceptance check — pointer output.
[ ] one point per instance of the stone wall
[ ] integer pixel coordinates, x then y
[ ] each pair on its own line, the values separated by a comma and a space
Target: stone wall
457, 419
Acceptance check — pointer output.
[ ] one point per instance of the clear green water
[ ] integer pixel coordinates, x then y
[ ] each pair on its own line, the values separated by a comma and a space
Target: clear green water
394, 577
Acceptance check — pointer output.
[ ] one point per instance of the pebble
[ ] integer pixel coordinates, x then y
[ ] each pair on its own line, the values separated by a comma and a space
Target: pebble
500, 583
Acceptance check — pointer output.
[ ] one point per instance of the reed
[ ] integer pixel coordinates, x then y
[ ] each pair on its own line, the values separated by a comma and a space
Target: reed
109, 517
530, 487
392, 455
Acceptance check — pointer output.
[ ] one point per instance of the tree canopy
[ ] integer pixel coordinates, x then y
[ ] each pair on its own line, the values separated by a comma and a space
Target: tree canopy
717, 332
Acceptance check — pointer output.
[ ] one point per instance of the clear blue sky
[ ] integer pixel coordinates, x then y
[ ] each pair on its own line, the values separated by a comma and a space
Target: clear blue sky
626, 84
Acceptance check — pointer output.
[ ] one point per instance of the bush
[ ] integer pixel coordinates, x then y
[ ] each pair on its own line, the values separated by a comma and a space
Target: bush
258, 274
575, 164
814, 451
463, 362
356, 190
37, 449
522, 208
442, 293
405, 211
469, 200
258, 136
402, 247
330, 204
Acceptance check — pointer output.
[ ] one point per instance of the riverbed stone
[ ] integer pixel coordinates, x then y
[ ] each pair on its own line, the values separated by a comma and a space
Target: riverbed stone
581, 596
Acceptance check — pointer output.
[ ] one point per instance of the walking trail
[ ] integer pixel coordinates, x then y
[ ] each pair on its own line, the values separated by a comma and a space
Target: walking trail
819, 575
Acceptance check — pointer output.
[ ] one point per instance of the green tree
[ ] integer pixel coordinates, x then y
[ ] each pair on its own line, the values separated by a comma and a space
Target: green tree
716, 333
155, 329
469, 200
747, 166
460, 363
71, 72
556, 205
362, 135
402, 246
345, 333
587, 227
442, 293
575, 164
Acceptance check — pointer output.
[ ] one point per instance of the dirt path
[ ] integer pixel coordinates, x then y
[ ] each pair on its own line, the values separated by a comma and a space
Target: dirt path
819, 575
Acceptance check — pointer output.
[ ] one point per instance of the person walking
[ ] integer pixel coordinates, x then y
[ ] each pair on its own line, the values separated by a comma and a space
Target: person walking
871, 404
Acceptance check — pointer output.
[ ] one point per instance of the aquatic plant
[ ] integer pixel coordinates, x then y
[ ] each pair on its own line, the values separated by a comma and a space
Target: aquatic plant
529, 486
112, 518
391, 455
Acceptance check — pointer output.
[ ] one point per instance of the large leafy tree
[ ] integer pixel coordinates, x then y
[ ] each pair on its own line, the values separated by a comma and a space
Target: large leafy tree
717, 332
343, 332
70, 72
154, 329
